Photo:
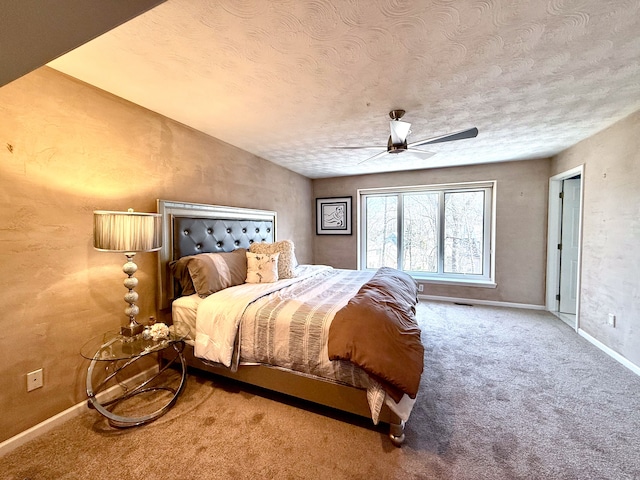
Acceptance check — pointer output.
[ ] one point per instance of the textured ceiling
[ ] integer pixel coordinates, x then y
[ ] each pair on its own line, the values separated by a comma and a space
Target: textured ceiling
286, 80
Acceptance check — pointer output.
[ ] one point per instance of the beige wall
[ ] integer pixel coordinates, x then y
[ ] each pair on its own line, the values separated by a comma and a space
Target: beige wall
611, 234
66, 149
522, 190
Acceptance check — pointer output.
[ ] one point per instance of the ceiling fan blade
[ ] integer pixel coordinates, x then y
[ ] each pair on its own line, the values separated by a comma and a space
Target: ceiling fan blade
414, 149
362, 147
399, 131
420, 154
377, 155
449, 137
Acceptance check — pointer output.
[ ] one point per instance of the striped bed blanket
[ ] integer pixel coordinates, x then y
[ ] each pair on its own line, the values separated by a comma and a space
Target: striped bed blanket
285, 324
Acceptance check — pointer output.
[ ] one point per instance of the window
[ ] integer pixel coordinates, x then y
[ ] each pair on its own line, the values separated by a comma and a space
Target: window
431, 232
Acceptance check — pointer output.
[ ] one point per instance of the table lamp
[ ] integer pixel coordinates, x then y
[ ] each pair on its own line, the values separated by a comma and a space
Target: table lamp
128, 232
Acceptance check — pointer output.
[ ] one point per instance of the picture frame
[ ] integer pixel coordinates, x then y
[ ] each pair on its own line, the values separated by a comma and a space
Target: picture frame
333, 216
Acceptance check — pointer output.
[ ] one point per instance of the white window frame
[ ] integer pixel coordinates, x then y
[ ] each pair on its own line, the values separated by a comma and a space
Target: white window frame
487, 279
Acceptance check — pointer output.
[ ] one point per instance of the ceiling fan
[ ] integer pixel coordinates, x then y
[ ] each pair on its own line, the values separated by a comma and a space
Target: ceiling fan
397, 142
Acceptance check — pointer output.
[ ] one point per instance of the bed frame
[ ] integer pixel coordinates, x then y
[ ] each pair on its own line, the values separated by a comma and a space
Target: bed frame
191, 228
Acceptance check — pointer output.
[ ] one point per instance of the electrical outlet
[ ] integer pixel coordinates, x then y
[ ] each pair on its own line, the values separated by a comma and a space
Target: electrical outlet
611, 320
34, 380
421, 287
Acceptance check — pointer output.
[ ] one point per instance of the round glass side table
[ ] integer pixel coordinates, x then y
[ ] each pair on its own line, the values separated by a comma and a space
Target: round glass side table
127, 383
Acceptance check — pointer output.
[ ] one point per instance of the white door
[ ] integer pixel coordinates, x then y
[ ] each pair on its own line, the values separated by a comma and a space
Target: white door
569, 240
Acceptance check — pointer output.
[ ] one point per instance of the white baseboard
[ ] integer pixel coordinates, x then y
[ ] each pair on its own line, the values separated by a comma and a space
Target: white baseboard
71, 412
41, 428
472, 301
612, 353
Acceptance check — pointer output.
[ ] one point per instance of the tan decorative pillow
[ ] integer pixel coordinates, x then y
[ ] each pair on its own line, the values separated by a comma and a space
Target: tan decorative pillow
211, 272
287, 262
262, 267
179, 270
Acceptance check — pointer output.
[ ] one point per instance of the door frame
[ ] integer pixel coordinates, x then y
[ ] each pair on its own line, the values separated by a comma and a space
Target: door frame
553, 239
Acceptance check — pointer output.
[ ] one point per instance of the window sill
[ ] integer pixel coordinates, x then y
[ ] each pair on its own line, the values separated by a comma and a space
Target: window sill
456, 282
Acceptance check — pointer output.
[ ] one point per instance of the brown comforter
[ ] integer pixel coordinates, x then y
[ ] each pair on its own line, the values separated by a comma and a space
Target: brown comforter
377, 330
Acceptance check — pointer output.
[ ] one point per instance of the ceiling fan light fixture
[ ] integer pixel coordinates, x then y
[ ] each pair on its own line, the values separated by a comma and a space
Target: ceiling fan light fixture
399, 131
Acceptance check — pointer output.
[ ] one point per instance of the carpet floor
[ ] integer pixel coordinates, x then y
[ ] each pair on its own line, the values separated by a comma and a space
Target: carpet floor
506, 394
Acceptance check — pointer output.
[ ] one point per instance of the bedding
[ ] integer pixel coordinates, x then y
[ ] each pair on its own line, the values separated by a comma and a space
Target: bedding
391, 350
218, 316
184, 311
288, 323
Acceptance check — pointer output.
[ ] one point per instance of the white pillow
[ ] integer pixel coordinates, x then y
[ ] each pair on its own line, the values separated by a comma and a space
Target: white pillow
287, 262
262, 267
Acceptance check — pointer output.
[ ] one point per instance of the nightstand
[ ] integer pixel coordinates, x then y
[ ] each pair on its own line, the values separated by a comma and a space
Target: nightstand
126, 381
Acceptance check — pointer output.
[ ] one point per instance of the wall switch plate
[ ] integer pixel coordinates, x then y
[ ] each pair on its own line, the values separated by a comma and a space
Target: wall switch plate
421, 287
611, 320
34, 380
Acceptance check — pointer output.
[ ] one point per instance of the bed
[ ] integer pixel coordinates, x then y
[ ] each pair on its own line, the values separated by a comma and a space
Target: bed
280, 335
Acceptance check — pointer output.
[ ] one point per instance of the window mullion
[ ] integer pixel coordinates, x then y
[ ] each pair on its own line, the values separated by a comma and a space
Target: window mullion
441, 228
363, 232
399, 231
487, 247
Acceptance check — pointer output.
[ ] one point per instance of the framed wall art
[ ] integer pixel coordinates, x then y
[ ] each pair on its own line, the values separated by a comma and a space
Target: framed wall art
333, 216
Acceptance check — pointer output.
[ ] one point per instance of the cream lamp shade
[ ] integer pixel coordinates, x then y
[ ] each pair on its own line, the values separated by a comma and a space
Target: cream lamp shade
127, 231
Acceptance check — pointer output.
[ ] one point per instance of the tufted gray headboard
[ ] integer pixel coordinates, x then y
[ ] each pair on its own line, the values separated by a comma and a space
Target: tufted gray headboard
192, 228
